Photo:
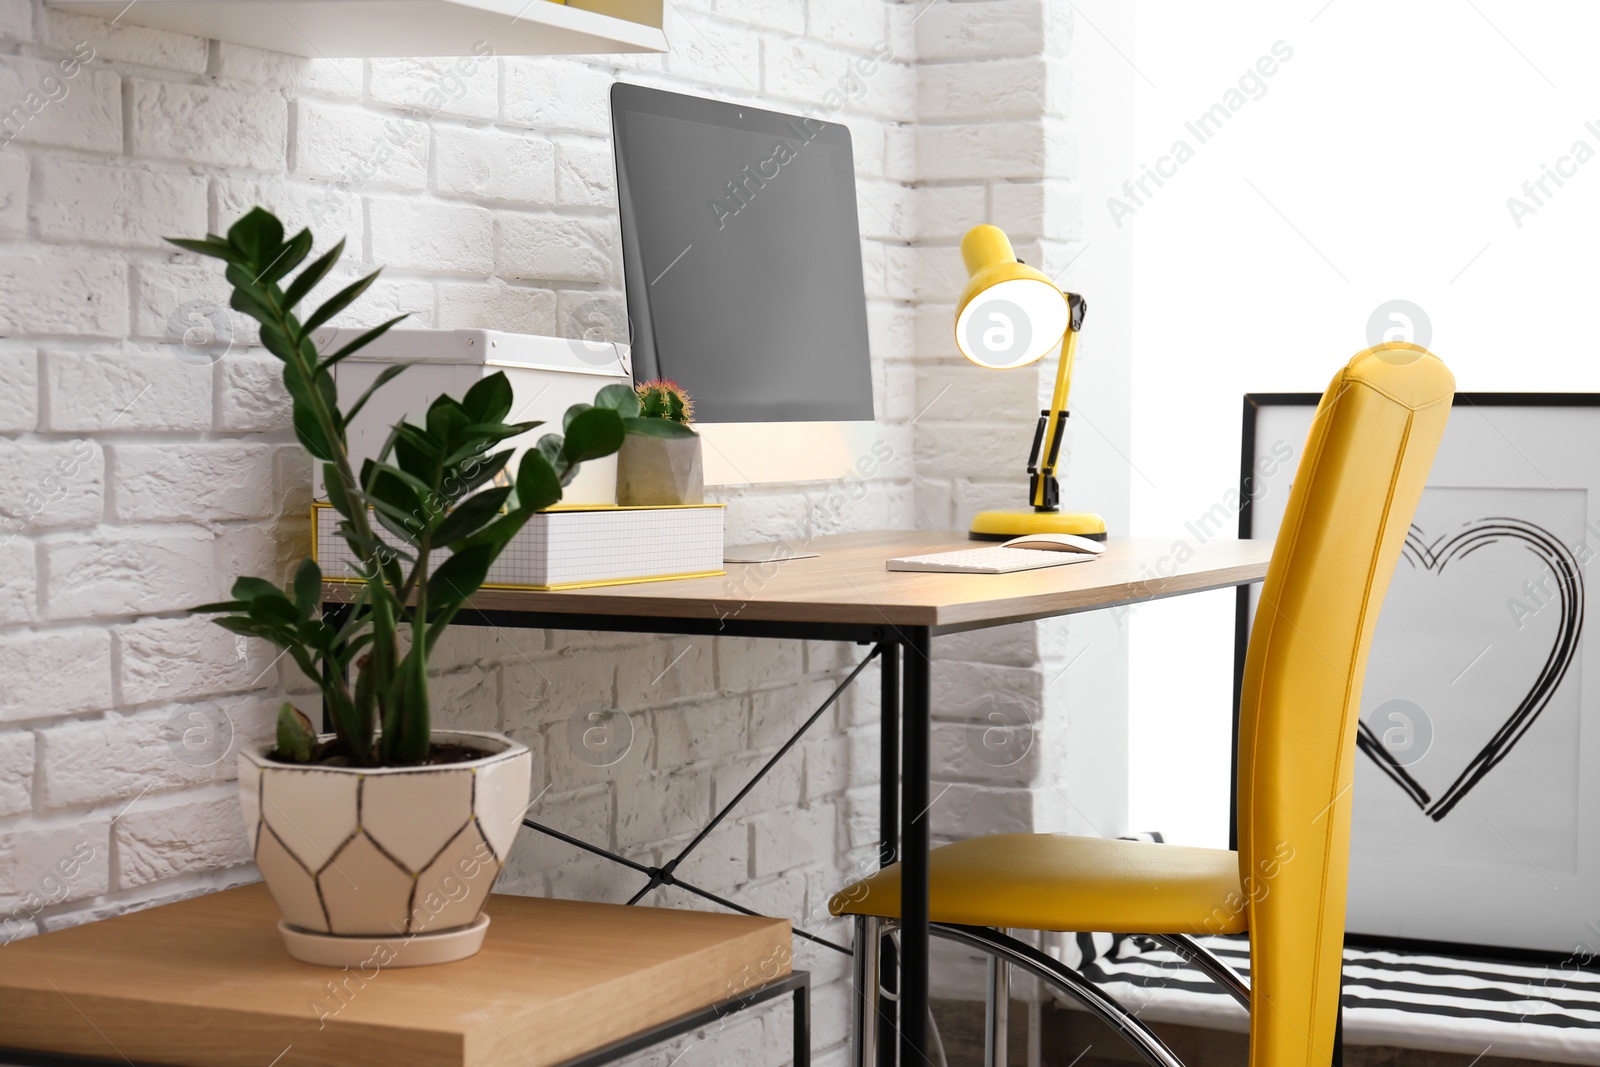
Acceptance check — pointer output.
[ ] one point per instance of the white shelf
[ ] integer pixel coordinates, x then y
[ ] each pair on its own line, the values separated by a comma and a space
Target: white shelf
328, 29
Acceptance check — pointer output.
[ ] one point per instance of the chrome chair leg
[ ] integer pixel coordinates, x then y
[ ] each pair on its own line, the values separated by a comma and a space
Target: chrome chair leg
864, 1034
997, 1012
1053, 971
1200, 956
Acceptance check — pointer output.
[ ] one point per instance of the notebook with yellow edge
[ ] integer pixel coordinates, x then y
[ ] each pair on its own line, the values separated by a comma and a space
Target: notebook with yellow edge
574, 547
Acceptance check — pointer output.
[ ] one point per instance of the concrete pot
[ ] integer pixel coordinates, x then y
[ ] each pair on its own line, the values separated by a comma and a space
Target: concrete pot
394, 862
660, 471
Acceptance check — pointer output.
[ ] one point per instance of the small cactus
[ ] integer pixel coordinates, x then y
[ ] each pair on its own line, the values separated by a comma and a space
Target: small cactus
662, 398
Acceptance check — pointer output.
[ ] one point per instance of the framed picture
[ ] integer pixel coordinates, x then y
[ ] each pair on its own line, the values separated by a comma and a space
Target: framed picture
1477, 795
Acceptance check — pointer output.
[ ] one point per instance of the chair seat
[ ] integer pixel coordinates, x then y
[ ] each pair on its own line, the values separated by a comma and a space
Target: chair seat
1060, 882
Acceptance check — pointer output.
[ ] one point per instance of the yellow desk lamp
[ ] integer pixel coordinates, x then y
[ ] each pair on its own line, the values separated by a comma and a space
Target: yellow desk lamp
1011, 315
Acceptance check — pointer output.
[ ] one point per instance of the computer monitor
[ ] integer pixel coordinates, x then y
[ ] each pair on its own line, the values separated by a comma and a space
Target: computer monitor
742, 259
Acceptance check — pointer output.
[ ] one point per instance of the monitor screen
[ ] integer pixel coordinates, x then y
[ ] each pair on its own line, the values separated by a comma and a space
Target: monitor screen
742, 257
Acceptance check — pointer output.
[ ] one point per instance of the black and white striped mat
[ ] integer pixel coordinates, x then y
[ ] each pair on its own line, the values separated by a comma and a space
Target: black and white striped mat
1409, 1000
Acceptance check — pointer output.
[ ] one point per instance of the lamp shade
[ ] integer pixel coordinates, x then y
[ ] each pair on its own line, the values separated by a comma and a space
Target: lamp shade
1010, 314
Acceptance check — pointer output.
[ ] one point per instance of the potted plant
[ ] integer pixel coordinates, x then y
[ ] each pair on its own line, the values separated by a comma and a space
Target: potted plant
661, 462
385, 829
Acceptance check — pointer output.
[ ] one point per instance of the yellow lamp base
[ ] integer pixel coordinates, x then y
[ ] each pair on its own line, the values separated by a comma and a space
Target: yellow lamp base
1004, 525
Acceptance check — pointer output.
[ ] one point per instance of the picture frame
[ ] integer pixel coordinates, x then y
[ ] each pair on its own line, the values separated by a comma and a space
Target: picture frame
1477, 797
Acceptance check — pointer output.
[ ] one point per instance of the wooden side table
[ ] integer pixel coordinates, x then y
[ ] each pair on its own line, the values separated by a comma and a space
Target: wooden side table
207, 983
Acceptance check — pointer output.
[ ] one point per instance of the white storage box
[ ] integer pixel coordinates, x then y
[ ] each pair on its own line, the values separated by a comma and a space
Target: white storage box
547, 375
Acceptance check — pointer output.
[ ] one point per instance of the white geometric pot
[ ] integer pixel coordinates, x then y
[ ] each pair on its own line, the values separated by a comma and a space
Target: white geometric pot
660, 471
385, 861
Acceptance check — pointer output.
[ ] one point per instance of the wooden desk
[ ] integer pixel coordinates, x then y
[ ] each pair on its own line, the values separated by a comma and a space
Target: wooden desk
846, 594
847, 585
206, 983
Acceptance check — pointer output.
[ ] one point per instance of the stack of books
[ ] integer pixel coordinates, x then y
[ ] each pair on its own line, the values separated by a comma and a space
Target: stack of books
573, 547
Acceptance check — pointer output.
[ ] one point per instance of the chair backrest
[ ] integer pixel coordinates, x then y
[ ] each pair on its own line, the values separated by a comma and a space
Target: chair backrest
1365, 463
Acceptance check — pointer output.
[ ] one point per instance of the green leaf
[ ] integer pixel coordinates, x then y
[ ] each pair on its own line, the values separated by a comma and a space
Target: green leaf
473, 475
248, 589
642, 427
395, 493
220, 606
306, 422
337, 302
405, 517
296, 385
279, 636
415, 449
499, 533
274, 610
549, 447
333, 485
619, 398
277, 342
385, 376
318, 634
296, 738
573, 412
460, 576
386, 453
406, 728
389, 566
368, 547
362, 341
471, 515
242, 301
287, 259
467, 454
424, 491
308, 278
353, 647
211, 246
481, 437
257, 235
307, 587
591, 434
538, 486
484, 434
406, 530
308, 428
328, 390
446, 418
489, 399
244, 276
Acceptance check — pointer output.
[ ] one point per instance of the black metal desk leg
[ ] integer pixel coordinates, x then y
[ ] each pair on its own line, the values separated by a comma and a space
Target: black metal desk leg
889, 758
1338, 1022
802, 1025
889, 831
914, 842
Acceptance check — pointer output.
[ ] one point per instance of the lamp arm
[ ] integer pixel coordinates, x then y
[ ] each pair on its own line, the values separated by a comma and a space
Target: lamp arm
1043, 487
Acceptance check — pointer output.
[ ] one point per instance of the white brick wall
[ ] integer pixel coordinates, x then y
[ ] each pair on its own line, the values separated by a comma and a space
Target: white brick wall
135, 482
208, 124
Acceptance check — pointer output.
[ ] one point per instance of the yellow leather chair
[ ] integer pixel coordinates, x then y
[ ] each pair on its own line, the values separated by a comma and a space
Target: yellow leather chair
1365, 463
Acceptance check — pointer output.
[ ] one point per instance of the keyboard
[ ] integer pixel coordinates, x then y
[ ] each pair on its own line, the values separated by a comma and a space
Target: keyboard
996, 560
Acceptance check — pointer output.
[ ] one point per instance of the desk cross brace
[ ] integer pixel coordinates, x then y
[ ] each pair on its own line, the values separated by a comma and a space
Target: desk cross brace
666, 873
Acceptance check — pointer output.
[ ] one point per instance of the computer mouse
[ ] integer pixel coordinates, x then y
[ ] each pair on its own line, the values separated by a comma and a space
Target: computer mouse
1056, 542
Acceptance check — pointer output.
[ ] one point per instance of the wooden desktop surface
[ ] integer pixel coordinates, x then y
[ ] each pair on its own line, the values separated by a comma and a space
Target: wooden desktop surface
207, 983
847, 583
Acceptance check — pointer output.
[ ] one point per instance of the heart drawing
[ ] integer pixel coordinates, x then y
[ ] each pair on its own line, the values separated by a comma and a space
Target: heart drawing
1568, 592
